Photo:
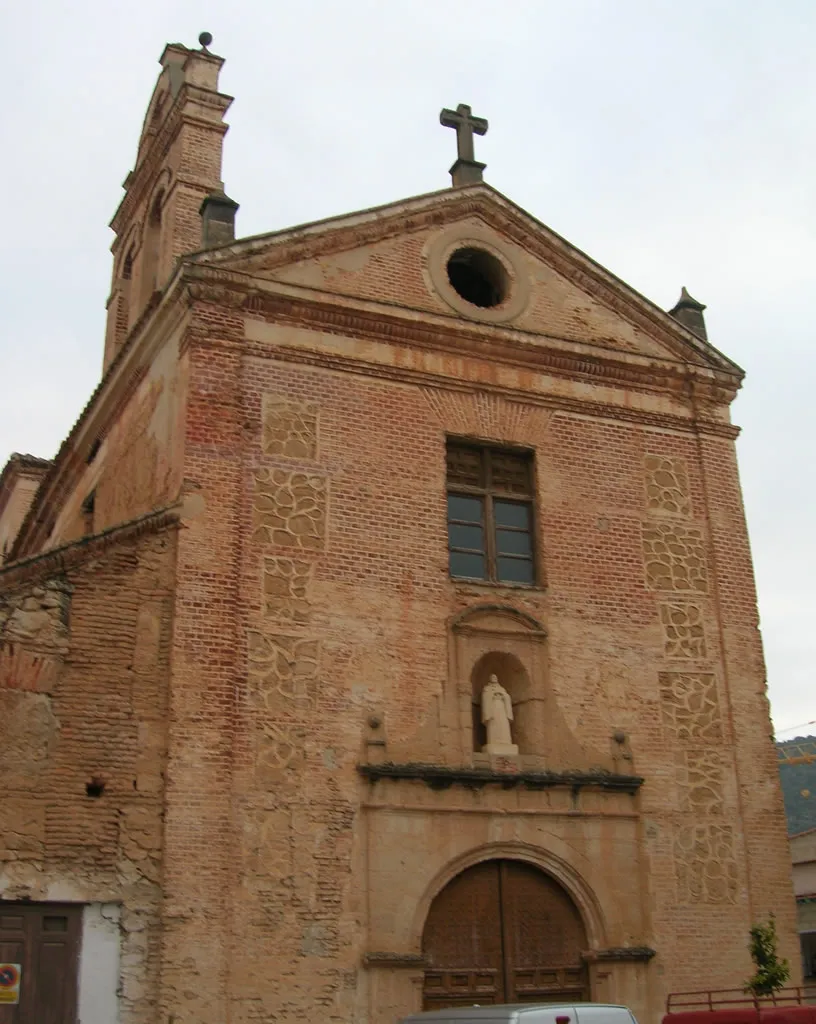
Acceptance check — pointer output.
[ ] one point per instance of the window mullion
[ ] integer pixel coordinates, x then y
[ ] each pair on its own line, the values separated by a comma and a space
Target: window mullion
490, 539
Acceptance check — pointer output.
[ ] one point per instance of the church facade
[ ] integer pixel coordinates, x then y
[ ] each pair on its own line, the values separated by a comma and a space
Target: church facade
384, 633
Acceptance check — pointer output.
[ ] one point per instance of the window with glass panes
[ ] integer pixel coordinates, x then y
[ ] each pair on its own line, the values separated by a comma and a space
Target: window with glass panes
490, 513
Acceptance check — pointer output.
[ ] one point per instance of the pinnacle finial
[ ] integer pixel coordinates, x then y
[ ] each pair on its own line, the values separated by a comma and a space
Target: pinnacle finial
205, 39
689, 312
688, 301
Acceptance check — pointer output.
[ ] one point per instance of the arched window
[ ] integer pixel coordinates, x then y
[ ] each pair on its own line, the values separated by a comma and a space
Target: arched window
123, 307
152, 249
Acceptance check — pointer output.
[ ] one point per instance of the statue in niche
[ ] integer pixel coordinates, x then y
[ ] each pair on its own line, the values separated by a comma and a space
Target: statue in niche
497, 714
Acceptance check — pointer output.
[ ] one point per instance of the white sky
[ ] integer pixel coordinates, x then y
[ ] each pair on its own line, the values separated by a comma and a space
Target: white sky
672, 140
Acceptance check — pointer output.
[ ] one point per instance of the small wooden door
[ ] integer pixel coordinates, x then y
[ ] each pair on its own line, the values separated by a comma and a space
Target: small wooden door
44, 939
503, 932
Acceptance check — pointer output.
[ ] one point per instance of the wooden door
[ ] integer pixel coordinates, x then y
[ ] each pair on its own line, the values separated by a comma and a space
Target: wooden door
503, 932
44, 939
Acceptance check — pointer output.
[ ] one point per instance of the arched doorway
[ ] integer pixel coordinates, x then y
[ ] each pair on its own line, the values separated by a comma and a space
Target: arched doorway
503, 932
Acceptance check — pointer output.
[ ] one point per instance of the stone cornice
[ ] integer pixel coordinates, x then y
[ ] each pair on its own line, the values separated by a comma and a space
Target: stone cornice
512, 347
423, 378
619, 954
495, 210
443, 777
30, 466
340, 315
59, 560
616, 954
385, 959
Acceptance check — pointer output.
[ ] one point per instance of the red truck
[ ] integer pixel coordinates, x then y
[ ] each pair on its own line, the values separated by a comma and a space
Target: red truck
734, 1006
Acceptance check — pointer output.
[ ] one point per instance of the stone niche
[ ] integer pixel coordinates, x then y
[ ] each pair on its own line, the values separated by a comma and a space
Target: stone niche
501, 641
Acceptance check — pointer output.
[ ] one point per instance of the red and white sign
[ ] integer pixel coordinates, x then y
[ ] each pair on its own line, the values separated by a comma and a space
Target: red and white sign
10, 983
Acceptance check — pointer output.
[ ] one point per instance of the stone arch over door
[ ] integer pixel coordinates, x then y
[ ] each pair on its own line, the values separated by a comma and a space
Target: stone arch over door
503, 930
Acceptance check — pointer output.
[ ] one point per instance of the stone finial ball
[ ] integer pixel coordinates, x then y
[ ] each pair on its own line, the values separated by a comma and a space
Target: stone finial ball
205, 39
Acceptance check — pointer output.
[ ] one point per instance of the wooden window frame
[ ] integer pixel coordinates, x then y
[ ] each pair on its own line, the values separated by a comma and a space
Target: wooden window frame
488, 493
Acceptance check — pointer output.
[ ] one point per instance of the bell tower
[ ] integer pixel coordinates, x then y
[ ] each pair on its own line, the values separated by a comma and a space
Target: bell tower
178, 166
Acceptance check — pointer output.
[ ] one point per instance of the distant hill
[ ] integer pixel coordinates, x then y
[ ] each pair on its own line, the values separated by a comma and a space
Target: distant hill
798, 788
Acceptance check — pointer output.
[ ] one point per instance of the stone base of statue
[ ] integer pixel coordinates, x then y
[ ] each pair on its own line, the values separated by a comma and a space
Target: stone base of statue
500, 749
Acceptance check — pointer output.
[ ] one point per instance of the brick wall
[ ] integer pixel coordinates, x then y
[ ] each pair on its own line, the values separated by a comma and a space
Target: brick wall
84, 655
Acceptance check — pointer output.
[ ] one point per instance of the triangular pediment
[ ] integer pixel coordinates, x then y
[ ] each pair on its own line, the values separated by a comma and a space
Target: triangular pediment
398, 256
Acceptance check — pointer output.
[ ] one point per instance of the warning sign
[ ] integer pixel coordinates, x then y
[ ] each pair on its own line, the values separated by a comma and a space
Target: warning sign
9, 983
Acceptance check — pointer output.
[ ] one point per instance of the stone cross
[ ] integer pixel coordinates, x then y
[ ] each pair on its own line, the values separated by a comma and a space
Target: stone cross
467, 170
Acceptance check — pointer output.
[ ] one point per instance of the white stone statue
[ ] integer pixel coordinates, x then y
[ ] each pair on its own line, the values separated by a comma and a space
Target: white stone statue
497, 714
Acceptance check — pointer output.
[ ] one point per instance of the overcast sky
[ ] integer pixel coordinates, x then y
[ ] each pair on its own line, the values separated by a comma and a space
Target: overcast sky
672, 140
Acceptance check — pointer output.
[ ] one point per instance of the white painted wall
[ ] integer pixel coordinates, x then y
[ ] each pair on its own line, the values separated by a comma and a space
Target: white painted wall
99, 964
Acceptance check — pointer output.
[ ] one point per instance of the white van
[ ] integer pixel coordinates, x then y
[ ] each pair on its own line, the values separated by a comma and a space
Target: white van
527, 1013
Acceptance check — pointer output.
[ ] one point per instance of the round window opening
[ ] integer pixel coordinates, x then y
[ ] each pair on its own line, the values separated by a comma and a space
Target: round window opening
478, 277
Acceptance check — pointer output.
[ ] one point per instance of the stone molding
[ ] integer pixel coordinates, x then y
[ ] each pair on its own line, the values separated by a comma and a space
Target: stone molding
59, 560
619, 954
440, 248
444, 776
436, 210
384, 959
511, 345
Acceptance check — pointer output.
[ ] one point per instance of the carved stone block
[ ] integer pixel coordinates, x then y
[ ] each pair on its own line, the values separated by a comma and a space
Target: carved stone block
283, 672
667, 485
285, 585
278, 746
289, 509
289, 427
700, 778
706, 864
690, 708
675, 557
683, 630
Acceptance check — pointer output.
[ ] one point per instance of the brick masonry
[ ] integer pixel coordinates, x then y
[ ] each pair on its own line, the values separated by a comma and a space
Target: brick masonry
290, 399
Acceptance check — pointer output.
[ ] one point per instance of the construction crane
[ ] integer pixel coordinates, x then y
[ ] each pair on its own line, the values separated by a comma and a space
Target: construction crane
797, 751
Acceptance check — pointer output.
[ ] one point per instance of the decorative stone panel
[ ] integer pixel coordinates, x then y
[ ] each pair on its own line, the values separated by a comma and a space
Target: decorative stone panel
706, 864
667, 486
285, 585
675, 557
283, 672
267, 842
279, 745
683, 630
289, 427
700, 778
289, 509
690, 708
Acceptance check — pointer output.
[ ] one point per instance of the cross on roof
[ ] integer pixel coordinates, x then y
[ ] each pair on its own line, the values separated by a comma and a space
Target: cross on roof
467, 169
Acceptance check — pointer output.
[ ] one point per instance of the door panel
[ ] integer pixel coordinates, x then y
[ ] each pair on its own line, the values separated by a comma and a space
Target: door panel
503, 931
44, 939
544, 937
